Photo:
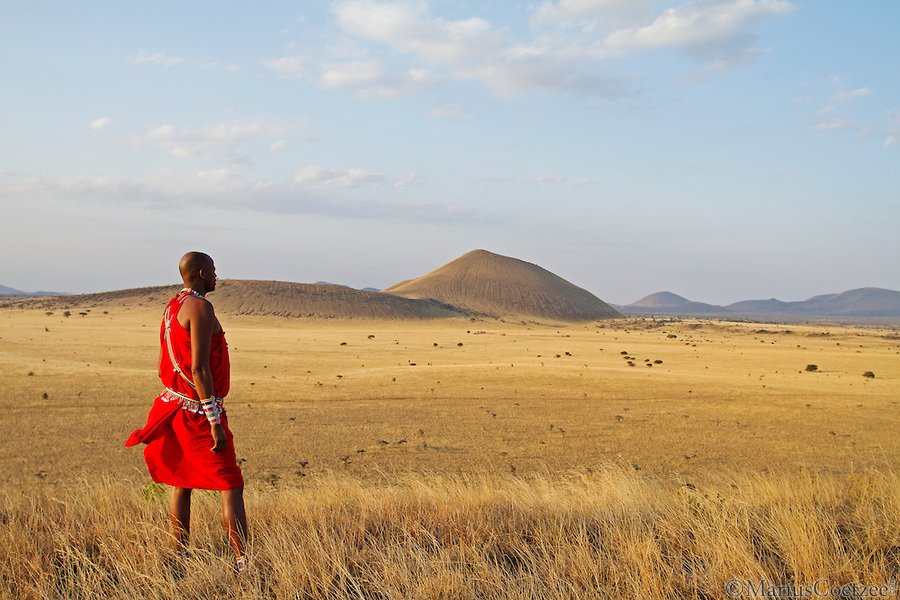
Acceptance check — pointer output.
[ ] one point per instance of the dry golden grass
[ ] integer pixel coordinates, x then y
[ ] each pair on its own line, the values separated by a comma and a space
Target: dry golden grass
384, 459
607, 534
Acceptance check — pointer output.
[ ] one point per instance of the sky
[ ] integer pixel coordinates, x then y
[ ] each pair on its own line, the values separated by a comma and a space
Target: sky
722, 150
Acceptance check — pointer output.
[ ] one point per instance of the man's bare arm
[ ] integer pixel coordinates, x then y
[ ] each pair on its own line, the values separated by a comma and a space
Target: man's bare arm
202, 322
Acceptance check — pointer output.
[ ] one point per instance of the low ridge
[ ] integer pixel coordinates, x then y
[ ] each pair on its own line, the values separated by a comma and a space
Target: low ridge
496, 285
278, 298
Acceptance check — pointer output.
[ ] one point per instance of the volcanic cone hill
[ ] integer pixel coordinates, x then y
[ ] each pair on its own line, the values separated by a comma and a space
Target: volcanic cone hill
248, 297
667, 302
495, 285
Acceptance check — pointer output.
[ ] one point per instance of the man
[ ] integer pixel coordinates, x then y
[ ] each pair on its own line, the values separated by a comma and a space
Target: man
189, 444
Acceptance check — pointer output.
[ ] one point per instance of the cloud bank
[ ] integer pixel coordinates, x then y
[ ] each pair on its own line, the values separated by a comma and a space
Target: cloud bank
571, 46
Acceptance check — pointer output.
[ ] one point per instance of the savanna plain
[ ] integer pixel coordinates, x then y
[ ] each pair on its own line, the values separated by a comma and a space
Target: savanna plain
463, 458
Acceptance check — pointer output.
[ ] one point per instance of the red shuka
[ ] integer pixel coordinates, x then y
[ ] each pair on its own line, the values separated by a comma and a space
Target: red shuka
179, 440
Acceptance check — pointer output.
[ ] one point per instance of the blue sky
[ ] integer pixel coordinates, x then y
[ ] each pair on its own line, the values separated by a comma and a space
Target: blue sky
722, 150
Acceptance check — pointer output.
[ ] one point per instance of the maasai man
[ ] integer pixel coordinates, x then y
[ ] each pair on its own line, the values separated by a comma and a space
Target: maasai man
189, 444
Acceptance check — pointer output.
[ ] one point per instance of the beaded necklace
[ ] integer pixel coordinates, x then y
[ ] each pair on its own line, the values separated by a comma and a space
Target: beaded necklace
192, 292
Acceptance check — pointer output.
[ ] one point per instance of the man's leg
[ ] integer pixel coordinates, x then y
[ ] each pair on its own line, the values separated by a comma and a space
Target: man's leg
234, 517
180, 516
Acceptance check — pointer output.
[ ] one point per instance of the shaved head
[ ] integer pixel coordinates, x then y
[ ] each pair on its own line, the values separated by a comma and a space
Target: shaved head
192, 262
198, 271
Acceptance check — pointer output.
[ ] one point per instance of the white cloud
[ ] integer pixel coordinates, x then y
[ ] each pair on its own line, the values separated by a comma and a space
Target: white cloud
101, 123
893, 134
225, 190
569, 50
842, 95
407, 27
351, 74
315, 176
851, 94
833, 125
716, 65
287, 67
214, 65
156, 58
218, 142
215, 176
450, 111
369, 79
697, 25
28, 185
470, 49
550, 179
575, 9
346, 48
76, 188
829, 116
592, 13
404, 181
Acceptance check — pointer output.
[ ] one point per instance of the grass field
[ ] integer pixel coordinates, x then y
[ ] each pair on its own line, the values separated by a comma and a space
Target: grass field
608, 534
453, 448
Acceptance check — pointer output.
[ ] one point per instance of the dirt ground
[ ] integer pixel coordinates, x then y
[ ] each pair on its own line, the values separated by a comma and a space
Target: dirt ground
375, 398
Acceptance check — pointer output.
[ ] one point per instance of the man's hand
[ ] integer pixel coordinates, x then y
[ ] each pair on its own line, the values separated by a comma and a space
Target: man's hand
220, 438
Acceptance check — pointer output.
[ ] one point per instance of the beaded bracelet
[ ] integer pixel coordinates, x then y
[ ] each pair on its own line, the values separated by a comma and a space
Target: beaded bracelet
213, 409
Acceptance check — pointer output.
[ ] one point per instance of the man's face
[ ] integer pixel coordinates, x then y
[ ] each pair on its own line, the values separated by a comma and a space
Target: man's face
209, 276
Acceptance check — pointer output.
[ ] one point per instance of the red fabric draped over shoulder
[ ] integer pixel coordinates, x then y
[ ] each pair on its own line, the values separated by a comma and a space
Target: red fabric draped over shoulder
219, 362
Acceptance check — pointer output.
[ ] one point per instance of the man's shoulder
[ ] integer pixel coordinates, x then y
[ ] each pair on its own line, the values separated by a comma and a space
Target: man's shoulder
194, 305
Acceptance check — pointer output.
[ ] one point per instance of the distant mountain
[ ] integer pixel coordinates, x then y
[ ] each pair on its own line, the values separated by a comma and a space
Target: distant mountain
8, 291
862, 302
672, 303
278, 298
667, 299
762, 306
495, 285
365, 289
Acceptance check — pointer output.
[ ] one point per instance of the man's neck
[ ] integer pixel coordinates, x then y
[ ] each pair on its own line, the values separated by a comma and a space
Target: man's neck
196, 286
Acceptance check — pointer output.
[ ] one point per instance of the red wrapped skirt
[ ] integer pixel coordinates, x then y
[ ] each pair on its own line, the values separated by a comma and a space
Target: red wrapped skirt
178, 451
